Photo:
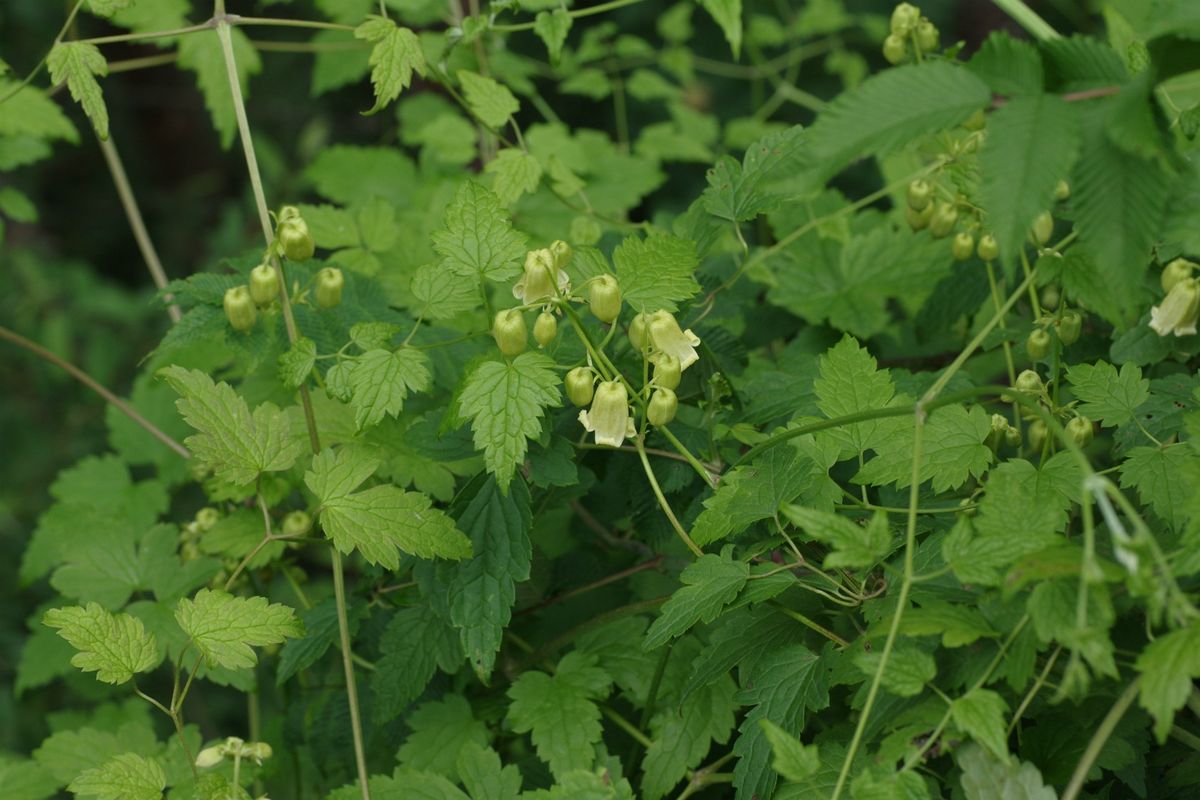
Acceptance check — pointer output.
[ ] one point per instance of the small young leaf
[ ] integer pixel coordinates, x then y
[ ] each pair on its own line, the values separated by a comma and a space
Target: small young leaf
515, 173
854, 545
296, 364
708, 584
981, 713
478, 240
552, 28
114, 646
1168, 667
656, 272
78, 64
124, 777
380, 381
397, 54
794, 760
728, 15
223, 627
488, 100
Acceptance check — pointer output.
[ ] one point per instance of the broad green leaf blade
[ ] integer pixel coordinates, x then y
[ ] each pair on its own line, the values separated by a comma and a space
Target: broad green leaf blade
404, 670
478, 240
441, 730
77, 64
656, 272
1161, 478
515, 173
987, 777
380, 380
296, 364
505, 401
488, 100
854, 545
709, 583
908, 669
320, 632
484, 778
114, 646
560, 712
441, 293
952, 450
128, 776
237, 445
736, 191
106, 8
1168, 667
794, 760
982, 714
1031, 144
1107, 395
850, 382
1009, 66
396, 55
223, 627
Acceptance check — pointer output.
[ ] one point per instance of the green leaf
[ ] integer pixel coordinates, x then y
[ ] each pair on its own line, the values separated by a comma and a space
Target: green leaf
403, 671
552, 28
794, 760
1107, 395
908, 669
483, 589
441, 731
505, 401
1009, 66
106, 8
1168, 666
348, 175
709, 583
124, 777
483, 777
441, 293
296, 364
201, 53
515, 173
78, 64
656, 272
1031, 144
952, 450
740, 192
853, 545
396, 55
381, 521
560, 711
320, 632
981, 714
26, 780
223, 627
684, 734
957, 625
1161, 478
491, 102
380, 380
478, 240
114, 646
988, 777
237, 445
728, 15
849, 382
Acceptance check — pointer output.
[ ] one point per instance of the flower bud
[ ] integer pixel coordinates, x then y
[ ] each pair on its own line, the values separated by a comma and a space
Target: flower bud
545, 328
1051, 297
1037, 435
662, 407
604, 298
1178, 311
988, 249
638, 332
292, 234
328, 291
927, 36
964, 246
207, 517
945, 217
1043, 228
1178, 270
1012, 437
210, 756
239, 308
259, 751
1030, 382
510, 332
581, 386
1070, 325
666, 371
296, 523
895, 49
264, 284
919, 220
1080, 431
560, 253
905, 17
1038, 344
976, 122
608, 417
1062, 190
920, 193
667, 338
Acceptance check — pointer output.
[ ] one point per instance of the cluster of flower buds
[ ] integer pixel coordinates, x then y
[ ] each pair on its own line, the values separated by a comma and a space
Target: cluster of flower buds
292, 238
191, 533
1079, 429
235, 749
1067, 325
1176, 315
910, 34
544, 280
1002, 433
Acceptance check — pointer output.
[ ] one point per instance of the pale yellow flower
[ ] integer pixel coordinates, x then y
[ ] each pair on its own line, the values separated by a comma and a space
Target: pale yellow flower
608, 417
1178, 311
667, 337
542, 279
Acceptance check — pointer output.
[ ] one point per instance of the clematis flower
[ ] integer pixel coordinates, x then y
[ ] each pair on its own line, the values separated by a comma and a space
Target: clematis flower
1178, 311
608, 417
668, 338
542, 279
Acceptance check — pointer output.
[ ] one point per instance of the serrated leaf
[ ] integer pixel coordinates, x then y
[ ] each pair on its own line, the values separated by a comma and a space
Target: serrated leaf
320, 632
440, 731
1168, 666
952, 450
1107, 395
381, 521
981, 713
552, 28
505, 401
373, 335
709, 583
223, 627
656, 272
77, 64
957, 625
853, 545
850, 382
728, 15
1160, 476
736, 191
396, 55
794, 760
441, 293
908, 669
1032, 143
404, 670
128, 776
238, 445
380, 381
684, 735
491, 102
478, 240
515, 173
296, 364
560, 712
114, 646
106, 8
201, 53
482, 775
1008, 65
987, 777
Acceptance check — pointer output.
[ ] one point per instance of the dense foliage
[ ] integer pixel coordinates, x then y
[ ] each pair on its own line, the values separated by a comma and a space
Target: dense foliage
577, 405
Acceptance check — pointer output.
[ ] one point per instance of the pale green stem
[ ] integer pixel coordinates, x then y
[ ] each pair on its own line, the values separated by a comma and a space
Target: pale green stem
1098, 740
1027, 18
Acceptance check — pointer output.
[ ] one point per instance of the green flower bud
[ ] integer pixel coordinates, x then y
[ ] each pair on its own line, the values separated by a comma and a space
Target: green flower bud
239, 308
1037, 435
1178, 270
667, 371
1038, 344
945, 217
1178, 311
1030, 382
604, 298
545, 328
510, 332
264, 284
1051, 297
920, 194
207, 517
581, 386
560, 253
1062, 190
905, 17
988, 249
210, 756
1043, 228
296, 523
964, 246
927, 36
328, 291
639, 332
294, 239
1080, 431
976, 122
1012, 437
919, 220
895, 49
662, 407
1070, 325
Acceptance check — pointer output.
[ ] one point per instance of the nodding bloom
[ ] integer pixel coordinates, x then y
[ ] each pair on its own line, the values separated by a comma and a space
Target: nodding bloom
608, 417
667, 337
542, 280
1178, 311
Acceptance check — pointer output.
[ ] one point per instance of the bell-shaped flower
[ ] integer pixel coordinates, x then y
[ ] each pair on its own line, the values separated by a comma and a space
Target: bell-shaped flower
608, 417
667, 338
1178, 311
542, 279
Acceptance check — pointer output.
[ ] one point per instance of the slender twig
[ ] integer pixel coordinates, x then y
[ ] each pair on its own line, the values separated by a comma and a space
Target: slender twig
1099, 739
90, 382
612, 5
597, 584
662, 500
1027, 18
38, 67
339, 593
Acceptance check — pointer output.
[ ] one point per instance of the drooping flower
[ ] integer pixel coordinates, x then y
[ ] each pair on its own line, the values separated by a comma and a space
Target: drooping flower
542, 280
667, 337
608, 417
1178, 311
